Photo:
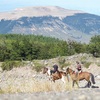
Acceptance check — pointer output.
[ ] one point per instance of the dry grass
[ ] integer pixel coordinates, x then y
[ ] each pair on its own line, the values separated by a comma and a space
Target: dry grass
34, 85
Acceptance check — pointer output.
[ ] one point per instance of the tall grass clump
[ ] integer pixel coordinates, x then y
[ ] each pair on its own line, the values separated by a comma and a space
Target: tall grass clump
62, 62
37, 66
8, 65
86, 64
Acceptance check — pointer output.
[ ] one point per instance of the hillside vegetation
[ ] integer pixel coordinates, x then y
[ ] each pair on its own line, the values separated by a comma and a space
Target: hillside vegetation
29, 47
28, 78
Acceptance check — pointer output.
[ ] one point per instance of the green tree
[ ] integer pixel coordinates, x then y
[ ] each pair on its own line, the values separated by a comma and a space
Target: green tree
94, 46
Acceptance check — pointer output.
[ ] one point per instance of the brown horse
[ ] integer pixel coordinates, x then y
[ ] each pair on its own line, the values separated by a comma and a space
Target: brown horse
54, 76
89, 77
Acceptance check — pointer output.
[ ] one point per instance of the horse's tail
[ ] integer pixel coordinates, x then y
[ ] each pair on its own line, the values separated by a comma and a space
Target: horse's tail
92, 78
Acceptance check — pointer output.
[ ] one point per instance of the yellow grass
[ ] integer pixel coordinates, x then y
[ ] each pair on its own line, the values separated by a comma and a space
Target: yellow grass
33, 85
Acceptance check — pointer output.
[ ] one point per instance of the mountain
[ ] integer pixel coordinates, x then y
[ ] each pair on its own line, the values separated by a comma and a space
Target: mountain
51, 21
54, 11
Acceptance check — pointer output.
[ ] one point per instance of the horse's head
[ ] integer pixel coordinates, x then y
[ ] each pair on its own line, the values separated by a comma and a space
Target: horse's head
69, 70
45, 70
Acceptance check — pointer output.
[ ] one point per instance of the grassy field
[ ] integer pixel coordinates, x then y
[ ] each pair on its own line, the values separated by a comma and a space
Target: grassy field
33, 85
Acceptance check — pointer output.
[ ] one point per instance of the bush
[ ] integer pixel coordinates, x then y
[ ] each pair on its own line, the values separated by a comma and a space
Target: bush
65, 65
87, 64
8, 65
61, 60
37, 66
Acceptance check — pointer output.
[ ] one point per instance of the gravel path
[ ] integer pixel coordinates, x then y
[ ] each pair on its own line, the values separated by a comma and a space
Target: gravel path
80, 94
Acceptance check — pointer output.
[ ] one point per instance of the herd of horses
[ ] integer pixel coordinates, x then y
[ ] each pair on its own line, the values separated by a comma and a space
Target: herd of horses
89, 77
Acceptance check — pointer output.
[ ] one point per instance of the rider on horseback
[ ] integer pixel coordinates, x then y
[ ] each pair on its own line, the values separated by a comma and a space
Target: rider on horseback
79, 68
55, 69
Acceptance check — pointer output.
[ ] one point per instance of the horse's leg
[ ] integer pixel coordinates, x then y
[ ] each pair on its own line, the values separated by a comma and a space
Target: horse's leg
73, 83
88, 84
53, 81
63, 79
92, 78
77, 83
50, 78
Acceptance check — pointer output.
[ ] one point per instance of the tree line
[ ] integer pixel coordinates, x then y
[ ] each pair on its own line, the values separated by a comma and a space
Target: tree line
30, 47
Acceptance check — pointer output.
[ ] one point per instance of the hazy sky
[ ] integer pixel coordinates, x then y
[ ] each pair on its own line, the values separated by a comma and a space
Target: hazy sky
91, 6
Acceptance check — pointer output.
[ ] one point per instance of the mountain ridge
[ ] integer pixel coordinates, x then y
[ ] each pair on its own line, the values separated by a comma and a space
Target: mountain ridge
38, 11
54, 22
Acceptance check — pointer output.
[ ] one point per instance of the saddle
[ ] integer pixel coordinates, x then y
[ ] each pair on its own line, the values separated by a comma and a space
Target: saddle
78, 73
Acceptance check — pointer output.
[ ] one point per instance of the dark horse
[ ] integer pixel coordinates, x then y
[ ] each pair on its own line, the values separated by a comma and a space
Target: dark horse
89, 77
54, 76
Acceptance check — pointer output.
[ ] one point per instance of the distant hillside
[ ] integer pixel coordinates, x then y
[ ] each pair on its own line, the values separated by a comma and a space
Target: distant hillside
51, 21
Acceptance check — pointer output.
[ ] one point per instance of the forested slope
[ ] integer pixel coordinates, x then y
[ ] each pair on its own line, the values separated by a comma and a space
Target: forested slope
29, 47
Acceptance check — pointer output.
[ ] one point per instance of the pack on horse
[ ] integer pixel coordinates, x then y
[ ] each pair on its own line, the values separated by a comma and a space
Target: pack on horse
89, 77
54, 76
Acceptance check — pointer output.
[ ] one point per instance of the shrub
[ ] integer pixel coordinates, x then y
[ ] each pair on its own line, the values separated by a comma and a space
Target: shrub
8, 65
65, 65
98, 64
37, 66
87, 64
61, 60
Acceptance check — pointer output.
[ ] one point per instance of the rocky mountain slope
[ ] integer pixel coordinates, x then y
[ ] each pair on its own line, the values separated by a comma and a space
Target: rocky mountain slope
51, 21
